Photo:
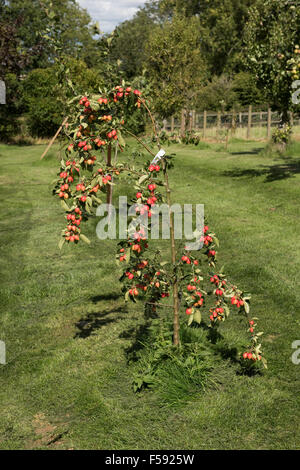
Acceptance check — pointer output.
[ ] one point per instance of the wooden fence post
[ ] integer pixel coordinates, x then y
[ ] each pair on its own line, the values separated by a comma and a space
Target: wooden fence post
204, 122
190, 121
233, 122
182, 127
218, 121
172, 124
269, 123
249, 121
193, 119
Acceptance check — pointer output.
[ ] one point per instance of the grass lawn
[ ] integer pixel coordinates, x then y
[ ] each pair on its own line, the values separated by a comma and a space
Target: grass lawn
67, 385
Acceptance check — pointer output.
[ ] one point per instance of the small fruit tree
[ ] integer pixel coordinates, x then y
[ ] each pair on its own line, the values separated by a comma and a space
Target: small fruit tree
191, 278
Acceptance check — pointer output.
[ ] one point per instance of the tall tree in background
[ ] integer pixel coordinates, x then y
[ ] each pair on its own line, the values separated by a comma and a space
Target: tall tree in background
76, 32
174, 64
221, 25
272, 40
129, 41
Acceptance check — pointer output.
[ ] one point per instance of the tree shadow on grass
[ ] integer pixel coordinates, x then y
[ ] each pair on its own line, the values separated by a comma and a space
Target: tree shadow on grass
138, 337
219, 343
112, 296
254, 151
96, 320
288, 169
139, 334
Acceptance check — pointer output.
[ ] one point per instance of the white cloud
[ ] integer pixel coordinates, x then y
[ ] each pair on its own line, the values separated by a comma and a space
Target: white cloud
109, 13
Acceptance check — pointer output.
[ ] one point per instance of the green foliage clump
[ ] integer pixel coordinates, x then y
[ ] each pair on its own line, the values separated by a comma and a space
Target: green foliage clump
272, 38
11, 111
174, 374
282, 135
44, 100
174, 65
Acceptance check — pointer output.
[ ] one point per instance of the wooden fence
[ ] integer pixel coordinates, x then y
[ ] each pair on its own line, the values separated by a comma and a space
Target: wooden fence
218, 121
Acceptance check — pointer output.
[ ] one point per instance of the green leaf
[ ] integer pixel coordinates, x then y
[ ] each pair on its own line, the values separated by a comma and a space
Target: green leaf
197, 316
64, 205
89, 201
96, 199
191, 319
216, 241
85, 239
143, 178
127, 254
121, 140
61, 242
264, 362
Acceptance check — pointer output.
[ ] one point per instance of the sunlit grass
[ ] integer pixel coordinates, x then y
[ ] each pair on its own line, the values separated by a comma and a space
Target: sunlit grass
67, 329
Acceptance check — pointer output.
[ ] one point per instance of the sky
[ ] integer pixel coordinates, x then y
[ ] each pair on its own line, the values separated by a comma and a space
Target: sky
109, 13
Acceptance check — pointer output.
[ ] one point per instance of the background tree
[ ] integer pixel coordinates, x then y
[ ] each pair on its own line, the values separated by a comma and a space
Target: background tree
221, 26
130, 38
44, 111
272, 38
76, 30
174, 64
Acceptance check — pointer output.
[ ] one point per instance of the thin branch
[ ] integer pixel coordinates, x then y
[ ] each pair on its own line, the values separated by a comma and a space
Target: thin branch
140, 141
54, 138
153, 123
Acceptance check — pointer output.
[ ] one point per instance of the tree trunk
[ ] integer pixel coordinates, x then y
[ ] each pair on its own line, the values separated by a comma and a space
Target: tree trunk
176, 339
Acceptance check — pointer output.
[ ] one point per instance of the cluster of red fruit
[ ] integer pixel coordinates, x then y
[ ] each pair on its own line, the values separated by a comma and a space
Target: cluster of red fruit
207, 240
72, 232
250, 355
217, 314
112, 134
90, 161
149, 198
84, 145
197, 302
216, 280
238, 302
85, 102
154, 168
67, 177
153, 282
219, 292
252, 326
97, 125
116, 95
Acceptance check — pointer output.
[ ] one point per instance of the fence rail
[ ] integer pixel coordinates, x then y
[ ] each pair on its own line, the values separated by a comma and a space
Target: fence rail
218, 121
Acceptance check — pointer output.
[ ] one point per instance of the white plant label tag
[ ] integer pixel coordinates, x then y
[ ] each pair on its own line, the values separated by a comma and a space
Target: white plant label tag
158, 157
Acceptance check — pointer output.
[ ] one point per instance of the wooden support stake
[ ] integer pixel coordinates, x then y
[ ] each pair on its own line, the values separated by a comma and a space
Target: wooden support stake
172, 124
194, 119
54, 138
183, 122
249, 122
204, 122
218, 122
269, 123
